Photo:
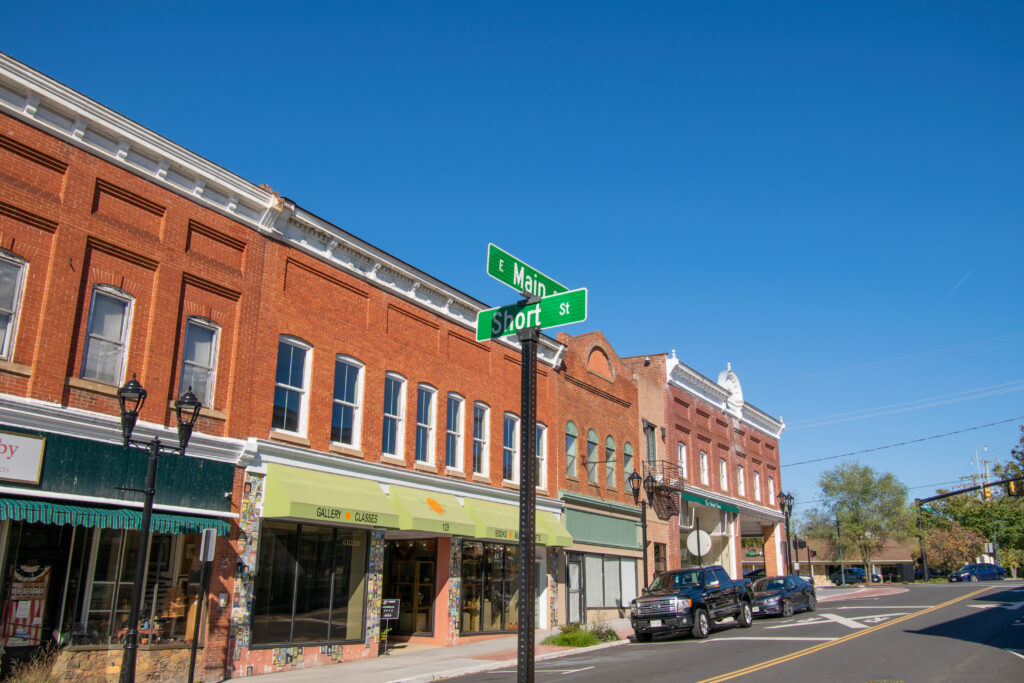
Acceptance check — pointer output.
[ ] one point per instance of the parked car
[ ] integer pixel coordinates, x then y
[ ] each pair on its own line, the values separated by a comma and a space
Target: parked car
932, 573
783, 595
982, 571
853, 575
689, 600
755, 574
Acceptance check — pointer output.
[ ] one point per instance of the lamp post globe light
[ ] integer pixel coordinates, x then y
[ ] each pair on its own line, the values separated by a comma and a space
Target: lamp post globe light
786, 503
131, 398
649, 484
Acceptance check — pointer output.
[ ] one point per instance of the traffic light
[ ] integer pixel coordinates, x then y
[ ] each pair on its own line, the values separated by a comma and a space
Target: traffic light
986, 492
1011, 488
814, 553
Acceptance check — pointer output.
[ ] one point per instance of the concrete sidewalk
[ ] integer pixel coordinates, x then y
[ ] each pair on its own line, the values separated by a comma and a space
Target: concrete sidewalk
419, 663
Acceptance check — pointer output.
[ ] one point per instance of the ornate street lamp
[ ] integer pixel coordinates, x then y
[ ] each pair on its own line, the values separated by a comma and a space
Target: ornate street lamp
131, 398
650, 484
786, 503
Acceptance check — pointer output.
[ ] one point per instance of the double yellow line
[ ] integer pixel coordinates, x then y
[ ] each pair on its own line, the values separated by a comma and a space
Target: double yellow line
822, 646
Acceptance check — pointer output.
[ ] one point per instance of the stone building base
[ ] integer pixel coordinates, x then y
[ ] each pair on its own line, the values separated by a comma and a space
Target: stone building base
104, 666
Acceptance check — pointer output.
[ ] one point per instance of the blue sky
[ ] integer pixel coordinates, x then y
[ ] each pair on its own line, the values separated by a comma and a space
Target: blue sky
827, 196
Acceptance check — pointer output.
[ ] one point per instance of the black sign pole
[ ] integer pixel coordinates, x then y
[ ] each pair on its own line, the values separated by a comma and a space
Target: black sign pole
527, 504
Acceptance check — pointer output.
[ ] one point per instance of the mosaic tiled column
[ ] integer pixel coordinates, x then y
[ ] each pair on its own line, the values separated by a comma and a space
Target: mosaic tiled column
245, 568
553, 587
375, 583
454, 590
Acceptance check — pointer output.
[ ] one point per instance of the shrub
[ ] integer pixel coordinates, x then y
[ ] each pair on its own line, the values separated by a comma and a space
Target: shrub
35, 670
602, 631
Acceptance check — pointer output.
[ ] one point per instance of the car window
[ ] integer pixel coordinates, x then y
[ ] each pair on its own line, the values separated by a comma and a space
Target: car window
722, 576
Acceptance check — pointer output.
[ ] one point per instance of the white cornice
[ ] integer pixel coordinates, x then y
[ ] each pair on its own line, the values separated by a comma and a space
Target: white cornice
44, 103
83, 424
259, 452
692, 382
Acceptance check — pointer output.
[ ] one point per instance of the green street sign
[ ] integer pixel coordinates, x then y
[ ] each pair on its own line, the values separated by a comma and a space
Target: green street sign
551, 311
506, 268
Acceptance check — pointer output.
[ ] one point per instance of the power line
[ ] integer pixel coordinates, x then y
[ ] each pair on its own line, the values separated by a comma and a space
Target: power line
902, 443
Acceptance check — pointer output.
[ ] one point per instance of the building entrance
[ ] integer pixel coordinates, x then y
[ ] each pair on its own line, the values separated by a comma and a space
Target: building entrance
410, 571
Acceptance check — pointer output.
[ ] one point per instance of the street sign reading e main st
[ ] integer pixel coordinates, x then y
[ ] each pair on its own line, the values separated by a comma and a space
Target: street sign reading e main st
550, 311
506, 268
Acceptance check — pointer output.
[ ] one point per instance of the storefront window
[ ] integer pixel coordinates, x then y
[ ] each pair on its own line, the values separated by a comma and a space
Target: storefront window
490, 588
310, 584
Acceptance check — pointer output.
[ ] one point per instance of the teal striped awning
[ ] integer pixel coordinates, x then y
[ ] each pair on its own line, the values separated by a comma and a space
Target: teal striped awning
44, 512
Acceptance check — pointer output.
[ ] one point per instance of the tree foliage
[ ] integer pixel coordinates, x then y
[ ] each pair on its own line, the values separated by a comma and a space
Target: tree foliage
952, 547
871, 508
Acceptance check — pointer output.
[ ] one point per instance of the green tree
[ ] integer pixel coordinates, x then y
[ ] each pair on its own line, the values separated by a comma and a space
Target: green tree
952, 547
871, 508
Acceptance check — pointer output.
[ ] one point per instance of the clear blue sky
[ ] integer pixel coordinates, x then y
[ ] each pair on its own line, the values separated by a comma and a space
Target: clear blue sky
828, 196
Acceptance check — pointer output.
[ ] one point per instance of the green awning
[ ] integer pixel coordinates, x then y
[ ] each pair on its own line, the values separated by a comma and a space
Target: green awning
430, 511
554, 531
501, 522
701, 500
44, 512
323, 497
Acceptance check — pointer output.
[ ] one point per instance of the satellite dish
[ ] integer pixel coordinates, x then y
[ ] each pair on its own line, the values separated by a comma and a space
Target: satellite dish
698, 543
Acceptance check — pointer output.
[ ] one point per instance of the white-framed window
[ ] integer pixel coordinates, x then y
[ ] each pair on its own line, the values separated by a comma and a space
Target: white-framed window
681, 458
12, 277
291, 385
453, 433
771, 490
426, 404
723, 474
510, 448
106, 335
627, 461
591, 456
757, 486
346, 411
393, 437
540, 476
741, 482
705, 477
481, 428
199, 359
571, 437
609, 462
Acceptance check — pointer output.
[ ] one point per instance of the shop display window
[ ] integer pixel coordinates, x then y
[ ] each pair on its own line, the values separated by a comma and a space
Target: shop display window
490, 589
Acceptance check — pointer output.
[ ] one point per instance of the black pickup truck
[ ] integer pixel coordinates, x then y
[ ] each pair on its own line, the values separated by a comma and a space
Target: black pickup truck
689, 600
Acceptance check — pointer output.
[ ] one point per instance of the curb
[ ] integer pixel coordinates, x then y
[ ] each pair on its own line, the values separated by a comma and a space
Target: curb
490, 666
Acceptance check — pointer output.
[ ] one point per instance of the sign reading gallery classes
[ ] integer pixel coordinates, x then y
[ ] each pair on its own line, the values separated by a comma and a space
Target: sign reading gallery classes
21, 457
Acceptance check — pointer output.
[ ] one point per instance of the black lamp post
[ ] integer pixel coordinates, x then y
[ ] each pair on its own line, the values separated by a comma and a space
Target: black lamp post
786, 503
649, 484
131, 397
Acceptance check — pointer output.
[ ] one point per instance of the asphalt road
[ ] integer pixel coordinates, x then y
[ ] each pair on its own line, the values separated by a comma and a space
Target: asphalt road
952, 632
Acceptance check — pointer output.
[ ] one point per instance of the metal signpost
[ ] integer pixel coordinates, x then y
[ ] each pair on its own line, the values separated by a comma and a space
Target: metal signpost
546, 303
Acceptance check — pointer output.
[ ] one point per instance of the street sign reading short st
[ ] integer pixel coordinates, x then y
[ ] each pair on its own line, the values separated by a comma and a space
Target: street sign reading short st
506, 268
550, 311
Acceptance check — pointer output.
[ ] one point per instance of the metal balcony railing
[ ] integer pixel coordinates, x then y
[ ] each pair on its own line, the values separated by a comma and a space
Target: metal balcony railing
667, 474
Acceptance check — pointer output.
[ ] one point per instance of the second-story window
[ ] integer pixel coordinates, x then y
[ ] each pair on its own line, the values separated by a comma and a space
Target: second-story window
106, 336
425, 397
609, 462
723, 474
348, 390
652, 447
510, 448
757, 486
627, 460
453, 433
591, 456
394, 423
741, 482
481, 425
571, 437
290, 385
705, 477
771, 491
199, 359
540, 477
12, 273
681, 458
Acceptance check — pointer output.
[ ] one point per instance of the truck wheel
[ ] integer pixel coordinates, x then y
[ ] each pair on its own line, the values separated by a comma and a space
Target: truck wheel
812, 603
701, 624
745, 617
787, 609
644, 637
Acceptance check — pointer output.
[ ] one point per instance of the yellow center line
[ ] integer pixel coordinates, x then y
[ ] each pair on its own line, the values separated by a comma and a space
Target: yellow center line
838, 641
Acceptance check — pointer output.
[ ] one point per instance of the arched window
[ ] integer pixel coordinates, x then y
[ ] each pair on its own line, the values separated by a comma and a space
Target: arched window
609, 462
571, 436
597, 363
592, 456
